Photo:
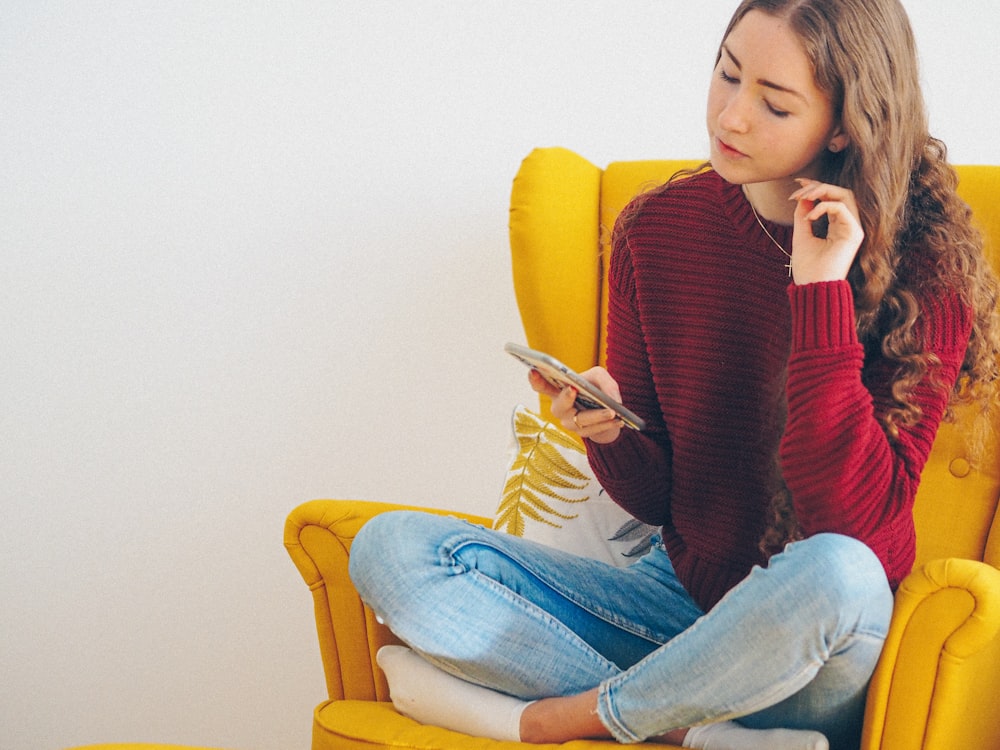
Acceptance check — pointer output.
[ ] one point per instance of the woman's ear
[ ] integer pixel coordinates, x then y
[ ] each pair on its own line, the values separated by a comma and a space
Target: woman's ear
838, 143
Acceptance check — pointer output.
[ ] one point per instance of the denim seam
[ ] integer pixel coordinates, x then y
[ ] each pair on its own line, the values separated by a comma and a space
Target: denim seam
559, 628
448, 550
602, 614
609, 717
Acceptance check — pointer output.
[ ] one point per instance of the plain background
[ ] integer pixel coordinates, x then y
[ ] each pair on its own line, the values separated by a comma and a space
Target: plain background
253, 253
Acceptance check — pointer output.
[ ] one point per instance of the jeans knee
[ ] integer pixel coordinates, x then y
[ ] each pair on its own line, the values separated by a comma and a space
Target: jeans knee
399, 552
844, 556
849, 572
373, 547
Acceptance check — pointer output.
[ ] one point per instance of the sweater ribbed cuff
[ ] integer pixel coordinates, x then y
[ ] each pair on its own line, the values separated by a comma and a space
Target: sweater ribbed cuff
822, 315
622, 458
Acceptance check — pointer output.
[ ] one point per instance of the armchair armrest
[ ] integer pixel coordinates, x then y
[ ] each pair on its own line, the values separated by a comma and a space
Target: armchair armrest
318, 536
937, 682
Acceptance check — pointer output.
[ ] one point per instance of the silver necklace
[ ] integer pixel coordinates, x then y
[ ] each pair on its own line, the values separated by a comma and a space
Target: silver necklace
777, 244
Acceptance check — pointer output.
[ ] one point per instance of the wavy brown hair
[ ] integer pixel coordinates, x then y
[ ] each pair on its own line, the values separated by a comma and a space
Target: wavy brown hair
919, 234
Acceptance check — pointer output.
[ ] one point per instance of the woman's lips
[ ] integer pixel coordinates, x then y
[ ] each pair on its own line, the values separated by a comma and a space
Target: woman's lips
728, 150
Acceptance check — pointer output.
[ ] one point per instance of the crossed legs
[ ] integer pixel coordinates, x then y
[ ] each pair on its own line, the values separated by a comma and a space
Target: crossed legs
791, 647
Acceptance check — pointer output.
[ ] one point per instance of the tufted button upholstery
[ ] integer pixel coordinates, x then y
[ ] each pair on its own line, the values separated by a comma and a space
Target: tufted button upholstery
960, 467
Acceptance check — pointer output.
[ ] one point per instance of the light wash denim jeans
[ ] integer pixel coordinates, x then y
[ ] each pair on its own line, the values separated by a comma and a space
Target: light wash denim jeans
793, 645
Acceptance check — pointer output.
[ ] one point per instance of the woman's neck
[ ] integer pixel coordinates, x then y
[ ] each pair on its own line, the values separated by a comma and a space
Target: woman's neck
770, 200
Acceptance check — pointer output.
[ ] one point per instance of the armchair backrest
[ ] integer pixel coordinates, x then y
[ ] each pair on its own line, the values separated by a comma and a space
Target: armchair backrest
562, 211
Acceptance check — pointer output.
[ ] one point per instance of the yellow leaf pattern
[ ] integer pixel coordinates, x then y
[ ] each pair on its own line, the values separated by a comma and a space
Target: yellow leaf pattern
541, 478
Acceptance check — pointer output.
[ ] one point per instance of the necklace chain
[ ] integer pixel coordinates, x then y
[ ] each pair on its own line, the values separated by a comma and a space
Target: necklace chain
777, 244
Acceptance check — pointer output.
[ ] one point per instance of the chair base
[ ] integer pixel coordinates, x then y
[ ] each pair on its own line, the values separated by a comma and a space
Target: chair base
370, 725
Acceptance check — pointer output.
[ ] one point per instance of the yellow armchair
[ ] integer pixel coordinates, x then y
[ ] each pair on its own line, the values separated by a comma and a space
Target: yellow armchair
937, 686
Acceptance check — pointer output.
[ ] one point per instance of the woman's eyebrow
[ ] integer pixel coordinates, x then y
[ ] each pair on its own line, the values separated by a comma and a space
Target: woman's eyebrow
762, 81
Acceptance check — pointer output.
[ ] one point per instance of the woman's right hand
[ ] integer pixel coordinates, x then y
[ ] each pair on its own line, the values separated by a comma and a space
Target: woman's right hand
598, 425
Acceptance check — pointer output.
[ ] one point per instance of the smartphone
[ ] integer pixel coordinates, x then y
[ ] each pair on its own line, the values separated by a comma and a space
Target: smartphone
589, 396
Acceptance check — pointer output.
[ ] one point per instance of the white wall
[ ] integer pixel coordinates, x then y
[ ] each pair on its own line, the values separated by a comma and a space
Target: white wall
255, 253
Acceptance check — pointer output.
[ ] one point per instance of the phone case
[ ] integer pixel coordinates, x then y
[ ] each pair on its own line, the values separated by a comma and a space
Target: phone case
559, 375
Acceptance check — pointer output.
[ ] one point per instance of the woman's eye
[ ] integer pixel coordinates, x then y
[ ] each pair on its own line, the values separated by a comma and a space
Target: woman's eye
726, 77
777, 112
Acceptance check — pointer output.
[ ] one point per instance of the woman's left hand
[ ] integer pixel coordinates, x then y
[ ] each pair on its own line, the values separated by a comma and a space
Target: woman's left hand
824, 258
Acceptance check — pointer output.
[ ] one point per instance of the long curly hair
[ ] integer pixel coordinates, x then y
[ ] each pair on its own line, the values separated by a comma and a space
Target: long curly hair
918, 233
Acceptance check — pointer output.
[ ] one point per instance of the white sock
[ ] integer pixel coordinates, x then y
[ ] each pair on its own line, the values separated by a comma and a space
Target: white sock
728, 735
432, 696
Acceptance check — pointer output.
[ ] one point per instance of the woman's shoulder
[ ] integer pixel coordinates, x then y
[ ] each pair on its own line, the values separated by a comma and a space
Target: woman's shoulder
687, 203
703, 191
699, 186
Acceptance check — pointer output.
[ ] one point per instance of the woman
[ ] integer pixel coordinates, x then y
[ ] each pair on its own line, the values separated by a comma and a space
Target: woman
793, 324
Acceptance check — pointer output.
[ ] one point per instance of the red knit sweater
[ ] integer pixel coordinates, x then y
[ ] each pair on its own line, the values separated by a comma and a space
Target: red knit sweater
703, 325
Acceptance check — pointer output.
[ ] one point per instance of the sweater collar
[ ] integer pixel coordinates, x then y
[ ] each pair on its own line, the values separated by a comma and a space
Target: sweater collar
745, 223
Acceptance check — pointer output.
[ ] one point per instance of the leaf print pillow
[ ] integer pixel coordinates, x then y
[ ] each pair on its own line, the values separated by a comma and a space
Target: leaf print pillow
550, 495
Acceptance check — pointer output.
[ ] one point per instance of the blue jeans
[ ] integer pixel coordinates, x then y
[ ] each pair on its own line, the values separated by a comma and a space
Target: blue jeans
793, 645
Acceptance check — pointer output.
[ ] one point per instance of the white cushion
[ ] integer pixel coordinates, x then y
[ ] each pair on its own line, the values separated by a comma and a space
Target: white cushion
550, 495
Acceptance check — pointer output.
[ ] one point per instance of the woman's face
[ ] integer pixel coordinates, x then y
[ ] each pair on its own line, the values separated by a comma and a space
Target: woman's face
766, 118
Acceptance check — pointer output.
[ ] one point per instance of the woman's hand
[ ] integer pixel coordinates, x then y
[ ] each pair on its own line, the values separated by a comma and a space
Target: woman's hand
599, 425
830, 258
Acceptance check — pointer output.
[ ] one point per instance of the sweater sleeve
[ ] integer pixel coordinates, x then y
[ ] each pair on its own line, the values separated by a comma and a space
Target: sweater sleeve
844, 473
635, 470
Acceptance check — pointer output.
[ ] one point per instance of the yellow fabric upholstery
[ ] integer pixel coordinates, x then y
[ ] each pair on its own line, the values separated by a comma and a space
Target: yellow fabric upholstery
937, 686
362, 725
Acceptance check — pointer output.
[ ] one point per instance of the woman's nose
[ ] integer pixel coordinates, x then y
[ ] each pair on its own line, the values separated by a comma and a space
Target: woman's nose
734, 116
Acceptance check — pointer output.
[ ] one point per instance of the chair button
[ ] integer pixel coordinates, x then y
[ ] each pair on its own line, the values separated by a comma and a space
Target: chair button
960, 467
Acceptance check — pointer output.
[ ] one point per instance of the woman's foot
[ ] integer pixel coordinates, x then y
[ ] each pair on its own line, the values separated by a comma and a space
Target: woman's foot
430, 695
728, 735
